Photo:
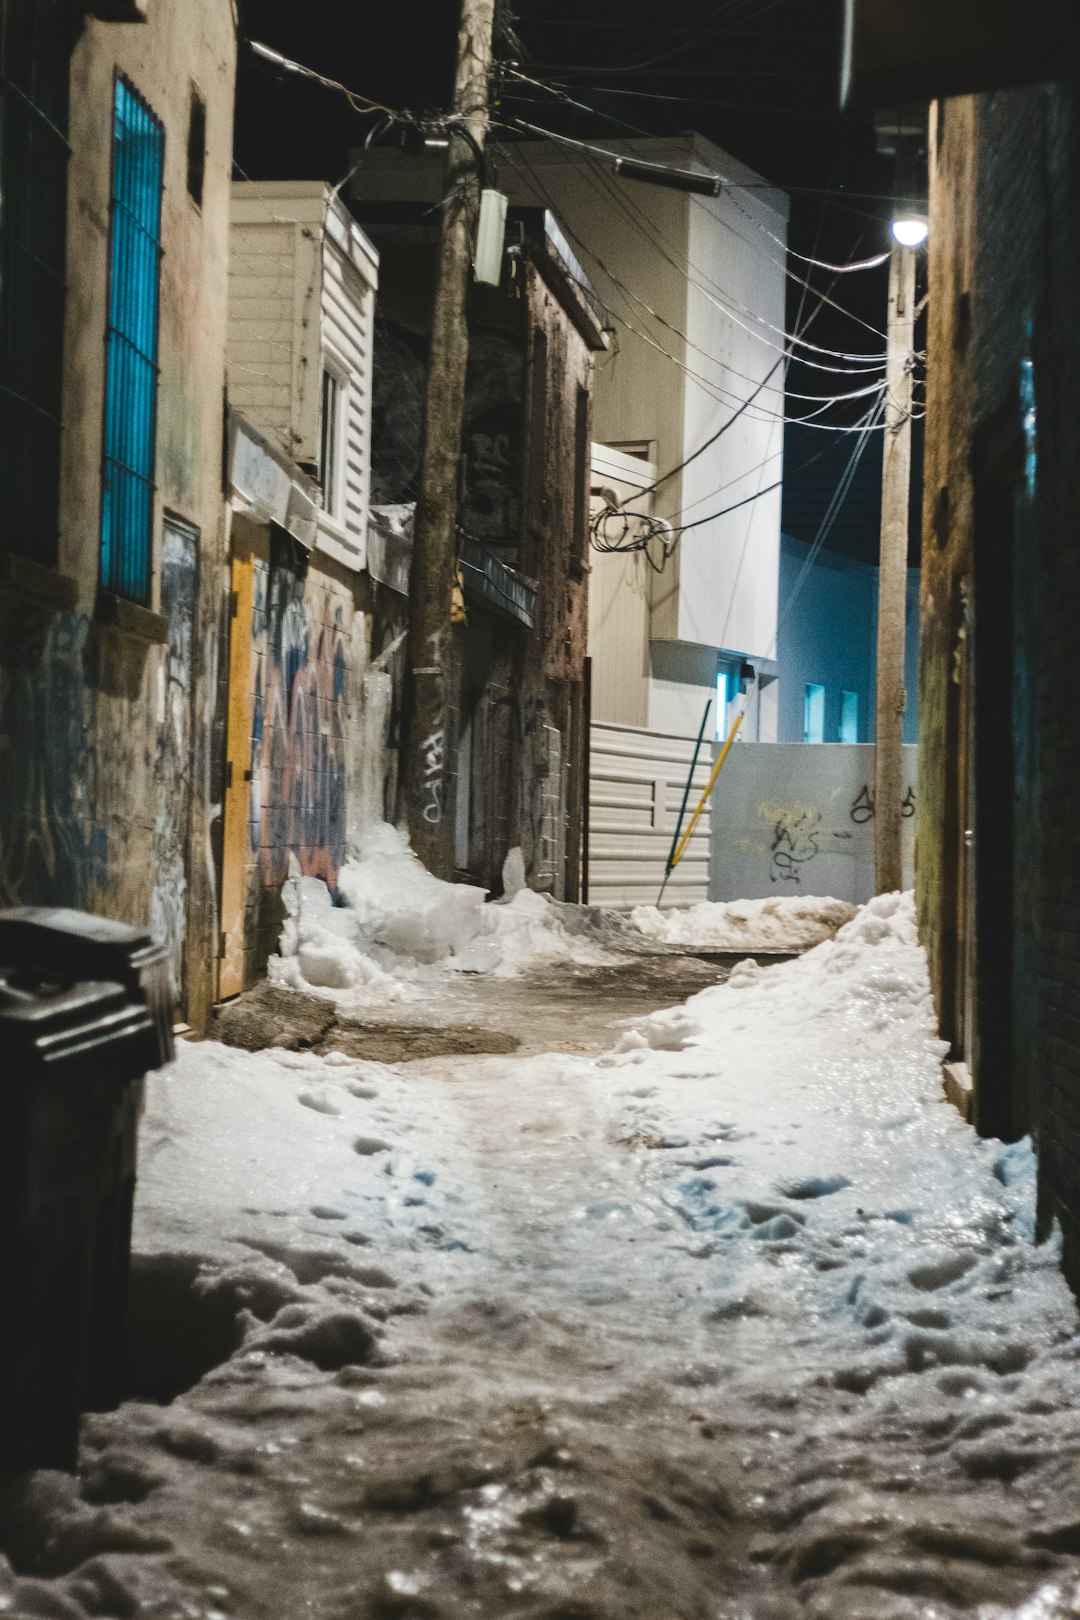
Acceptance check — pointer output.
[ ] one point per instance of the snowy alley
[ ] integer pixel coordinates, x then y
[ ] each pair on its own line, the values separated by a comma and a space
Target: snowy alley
716, 1310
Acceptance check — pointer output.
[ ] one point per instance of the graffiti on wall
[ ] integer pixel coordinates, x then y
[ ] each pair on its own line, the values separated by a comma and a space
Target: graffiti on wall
796, 839
299, 729
173, 762
798, 833
51, 851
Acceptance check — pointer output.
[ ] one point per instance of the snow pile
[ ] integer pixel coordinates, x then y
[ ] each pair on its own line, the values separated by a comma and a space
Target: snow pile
396, 903
396, 920
781, 923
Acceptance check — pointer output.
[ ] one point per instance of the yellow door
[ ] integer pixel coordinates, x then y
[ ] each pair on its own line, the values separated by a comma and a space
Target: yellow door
236, 855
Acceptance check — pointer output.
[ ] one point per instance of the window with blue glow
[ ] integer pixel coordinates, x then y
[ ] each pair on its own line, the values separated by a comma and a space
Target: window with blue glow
131, 370
723, 697
849, 717
814, 714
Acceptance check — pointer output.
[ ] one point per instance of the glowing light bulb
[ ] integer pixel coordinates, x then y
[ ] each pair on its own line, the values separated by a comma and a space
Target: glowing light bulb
910, 230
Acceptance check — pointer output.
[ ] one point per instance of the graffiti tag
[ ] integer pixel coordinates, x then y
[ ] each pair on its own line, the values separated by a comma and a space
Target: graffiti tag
433, 749
794, 842
863, 808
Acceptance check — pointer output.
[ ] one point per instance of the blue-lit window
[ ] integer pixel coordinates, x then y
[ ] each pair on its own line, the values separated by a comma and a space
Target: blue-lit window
131, 371
723, 698
849, 717
813, 730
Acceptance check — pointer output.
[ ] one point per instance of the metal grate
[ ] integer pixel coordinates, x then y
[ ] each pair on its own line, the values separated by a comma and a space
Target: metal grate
35, 48
131, 378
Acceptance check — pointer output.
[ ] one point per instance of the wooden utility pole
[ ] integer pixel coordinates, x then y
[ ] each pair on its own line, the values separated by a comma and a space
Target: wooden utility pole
434, 549
892, 574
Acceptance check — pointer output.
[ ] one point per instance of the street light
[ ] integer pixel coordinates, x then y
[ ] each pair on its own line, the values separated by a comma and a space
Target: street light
910, 229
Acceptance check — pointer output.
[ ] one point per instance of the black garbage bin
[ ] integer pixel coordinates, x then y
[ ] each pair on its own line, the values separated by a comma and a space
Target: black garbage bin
84, 1015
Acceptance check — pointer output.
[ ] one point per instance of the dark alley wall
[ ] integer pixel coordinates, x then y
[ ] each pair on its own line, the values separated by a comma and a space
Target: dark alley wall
516, 756
109, 706
998, 861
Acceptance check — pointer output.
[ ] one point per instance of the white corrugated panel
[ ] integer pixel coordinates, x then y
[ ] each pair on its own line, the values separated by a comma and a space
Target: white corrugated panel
636, 784
261, 330
347, 313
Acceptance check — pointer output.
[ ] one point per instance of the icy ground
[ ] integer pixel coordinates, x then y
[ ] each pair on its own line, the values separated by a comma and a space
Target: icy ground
724, 1315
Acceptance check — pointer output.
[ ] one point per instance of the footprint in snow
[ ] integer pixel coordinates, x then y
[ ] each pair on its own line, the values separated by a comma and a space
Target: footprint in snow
366, 1146
324, 1212
318, 1102
814, 1187
761, 1214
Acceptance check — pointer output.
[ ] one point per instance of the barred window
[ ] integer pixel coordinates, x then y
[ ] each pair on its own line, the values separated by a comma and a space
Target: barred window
35, 50
131, 375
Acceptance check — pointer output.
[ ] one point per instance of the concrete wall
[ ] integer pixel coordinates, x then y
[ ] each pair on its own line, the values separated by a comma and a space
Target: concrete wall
105, 724
790, 819
999, 865
830, 638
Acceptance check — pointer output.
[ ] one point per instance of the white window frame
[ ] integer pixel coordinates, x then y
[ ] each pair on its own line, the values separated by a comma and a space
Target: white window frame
333, 489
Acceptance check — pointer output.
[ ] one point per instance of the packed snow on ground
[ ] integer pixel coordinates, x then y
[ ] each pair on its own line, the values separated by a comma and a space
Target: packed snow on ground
393, 920
780, 923
733, 1319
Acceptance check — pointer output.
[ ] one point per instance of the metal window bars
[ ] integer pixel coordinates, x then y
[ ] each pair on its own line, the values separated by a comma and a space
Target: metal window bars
131, 375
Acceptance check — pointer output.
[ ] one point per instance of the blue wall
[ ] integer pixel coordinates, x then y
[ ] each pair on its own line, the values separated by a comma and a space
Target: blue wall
829, 638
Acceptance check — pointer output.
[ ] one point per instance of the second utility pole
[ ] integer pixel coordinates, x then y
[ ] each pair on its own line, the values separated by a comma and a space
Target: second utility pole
892, 573
427, 738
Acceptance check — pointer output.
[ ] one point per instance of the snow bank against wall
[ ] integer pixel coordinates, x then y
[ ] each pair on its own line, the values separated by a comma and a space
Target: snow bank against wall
782, 923
397, 923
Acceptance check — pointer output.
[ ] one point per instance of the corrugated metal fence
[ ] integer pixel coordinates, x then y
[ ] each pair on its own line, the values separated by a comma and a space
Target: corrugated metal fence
636, 783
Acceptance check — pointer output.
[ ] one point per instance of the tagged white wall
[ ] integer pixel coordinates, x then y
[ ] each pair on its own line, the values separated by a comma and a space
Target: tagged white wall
789, 818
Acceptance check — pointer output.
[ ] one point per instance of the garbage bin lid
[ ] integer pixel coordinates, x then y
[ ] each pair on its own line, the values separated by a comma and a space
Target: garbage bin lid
60, 939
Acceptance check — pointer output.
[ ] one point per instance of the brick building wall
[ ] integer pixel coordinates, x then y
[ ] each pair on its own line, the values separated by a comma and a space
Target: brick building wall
998, 864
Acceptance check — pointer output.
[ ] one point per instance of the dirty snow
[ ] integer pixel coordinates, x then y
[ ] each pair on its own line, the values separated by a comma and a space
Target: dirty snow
393, 921
732, 1319
780, 923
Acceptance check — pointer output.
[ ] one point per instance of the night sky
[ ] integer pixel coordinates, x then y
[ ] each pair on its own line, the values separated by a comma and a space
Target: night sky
759, 77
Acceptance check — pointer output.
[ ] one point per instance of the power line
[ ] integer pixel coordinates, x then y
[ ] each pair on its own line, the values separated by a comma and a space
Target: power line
729, 187
714, 390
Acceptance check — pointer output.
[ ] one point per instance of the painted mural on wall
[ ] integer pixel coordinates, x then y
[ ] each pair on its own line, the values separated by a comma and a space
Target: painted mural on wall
300, 726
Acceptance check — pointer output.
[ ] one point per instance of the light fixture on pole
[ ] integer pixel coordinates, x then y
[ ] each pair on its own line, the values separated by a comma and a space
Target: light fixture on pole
900, 135
909, 228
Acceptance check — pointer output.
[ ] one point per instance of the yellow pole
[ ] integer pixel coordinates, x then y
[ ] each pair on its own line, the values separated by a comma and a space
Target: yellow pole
685, 839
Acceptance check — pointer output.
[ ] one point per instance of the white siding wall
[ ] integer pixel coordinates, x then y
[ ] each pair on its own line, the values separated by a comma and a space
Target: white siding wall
619, 598
302, 282
728, 570
636, 783
348, 300
261, 330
